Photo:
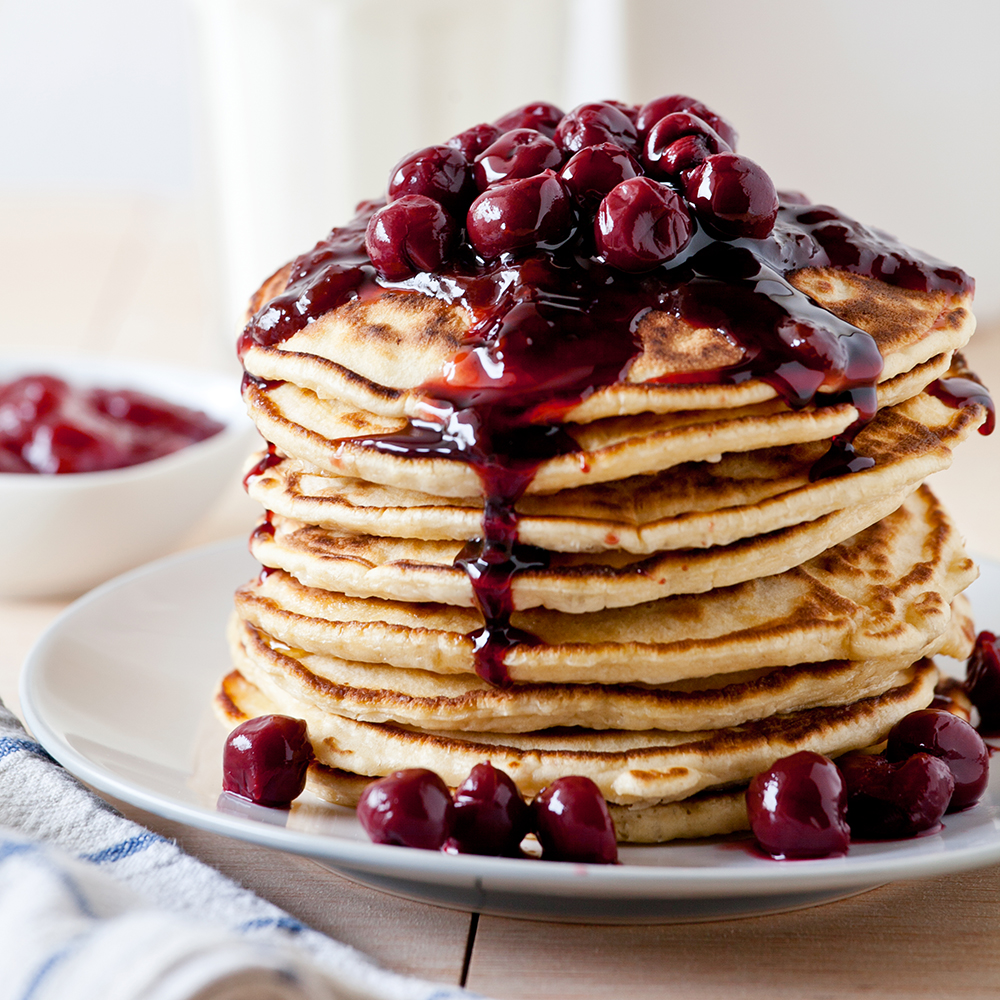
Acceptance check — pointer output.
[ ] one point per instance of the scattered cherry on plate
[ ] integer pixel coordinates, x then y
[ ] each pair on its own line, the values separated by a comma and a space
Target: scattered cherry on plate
265, 760
953, 740
982, 681
490, 816
572, 822
888, 800
798, 808
409, 808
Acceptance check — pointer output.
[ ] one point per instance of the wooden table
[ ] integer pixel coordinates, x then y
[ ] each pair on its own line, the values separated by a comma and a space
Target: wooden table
122, 276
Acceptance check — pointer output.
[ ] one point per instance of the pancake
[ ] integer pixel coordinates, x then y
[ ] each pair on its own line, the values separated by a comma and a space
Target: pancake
338, 438
885, 591
629, 767
693, 505
376, 355
374, 693
415, 570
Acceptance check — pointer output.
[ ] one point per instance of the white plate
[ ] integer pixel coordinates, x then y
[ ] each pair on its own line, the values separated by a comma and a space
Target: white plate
118, 690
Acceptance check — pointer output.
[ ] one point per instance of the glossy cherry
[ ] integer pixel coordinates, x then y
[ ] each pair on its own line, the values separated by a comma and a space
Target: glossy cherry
522, 152
527, 212
679, 142
474, 140
953, 740
651, 113
592, 124
490, 815
595, 170
265, 760
630, 111
439, 172
49, 427
538, 115
798, 808
733, 197
982, 680
410, 808
572, 822
888, 800
413, 233
641, 224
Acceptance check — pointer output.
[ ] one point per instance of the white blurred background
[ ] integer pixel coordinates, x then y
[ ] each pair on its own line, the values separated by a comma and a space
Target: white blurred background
265, 121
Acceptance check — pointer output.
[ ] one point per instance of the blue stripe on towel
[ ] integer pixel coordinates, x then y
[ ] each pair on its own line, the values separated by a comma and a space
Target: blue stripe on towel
125, 848
284, 923
10, 744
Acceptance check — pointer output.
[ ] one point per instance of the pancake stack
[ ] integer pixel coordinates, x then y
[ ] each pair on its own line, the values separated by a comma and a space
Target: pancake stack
663, 574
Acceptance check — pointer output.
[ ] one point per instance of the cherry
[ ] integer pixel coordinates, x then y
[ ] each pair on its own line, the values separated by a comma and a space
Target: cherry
595, 170
641, 224
490, 815
886, 800
630, 111
982, 680
592, 124
680, 142
527, 212
265, 760
411, 808
26, 401
572, 822
651, 113
798, 808
522, 152
953, 740
413, 233
538, 115
733, 197
474, 140
439, 172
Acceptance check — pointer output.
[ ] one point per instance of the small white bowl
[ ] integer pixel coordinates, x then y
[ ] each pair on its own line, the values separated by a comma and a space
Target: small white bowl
62, 534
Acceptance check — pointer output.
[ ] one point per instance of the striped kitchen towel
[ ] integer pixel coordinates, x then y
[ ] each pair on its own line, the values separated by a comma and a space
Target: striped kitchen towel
95, 907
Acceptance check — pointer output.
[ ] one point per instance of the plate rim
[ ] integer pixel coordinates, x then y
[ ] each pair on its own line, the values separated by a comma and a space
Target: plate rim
529, 877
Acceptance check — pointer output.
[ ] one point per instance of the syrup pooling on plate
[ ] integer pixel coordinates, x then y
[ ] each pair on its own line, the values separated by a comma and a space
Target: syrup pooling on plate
552, 321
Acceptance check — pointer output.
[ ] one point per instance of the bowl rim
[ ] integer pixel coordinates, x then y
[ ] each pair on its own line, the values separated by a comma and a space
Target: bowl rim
208, 394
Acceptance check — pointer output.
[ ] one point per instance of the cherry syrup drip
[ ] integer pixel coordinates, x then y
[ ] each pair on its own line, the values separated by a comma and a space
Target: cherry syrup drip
267, 461
549, 327
959, 392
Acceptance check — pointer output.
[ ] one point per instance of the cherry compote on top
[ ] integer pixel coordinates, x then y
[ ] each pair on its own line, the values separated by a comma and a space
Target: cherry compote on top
48, 426
557, 273
265, 760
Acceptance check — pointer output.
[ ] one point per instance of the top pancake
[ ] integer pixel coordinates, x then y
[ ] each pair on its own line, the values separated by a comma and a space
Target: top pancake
375, 355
